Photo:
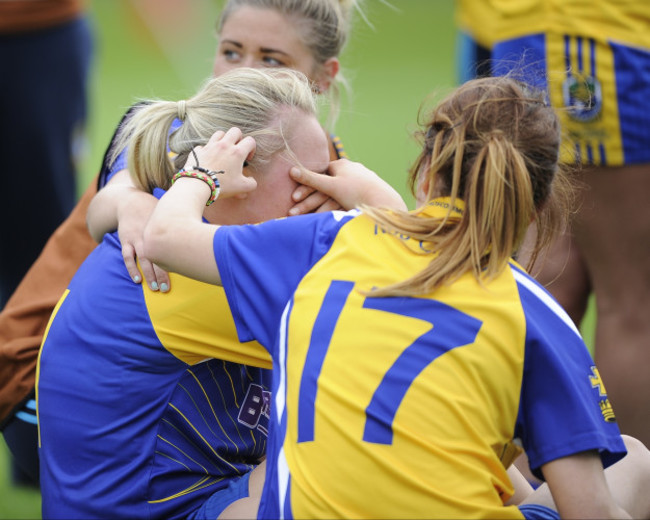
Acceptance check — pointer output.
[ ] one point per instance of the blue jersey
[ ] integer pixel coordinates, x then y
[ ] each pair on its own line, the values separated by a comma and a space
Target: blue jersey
136, 420
398, 407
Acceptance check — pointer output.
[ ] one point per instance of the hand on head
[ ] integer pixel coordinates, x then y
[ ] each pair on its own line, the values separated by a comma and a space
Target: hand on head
226, 152
309, 200
350, 184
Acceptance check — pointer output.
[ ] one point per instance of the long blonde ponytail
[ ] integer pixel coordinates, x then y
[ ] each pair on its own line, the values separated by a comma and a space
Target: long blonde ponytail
252, 100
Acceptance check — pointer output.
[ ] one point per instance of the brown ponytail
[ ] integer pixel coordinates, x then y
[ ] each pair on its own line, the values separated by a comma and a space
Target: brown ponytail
494, 145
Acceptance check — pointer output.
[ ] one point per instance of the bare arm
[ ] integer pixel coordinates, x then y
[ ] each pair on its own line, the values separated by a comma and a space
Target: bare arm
579, 488
177, 240
120, 205
102, 212
175, 237
522, 487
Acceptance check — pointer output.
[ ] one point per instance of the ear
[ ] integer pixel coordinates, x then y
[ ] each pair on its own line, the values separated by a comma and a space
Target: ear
422, 190
328, 72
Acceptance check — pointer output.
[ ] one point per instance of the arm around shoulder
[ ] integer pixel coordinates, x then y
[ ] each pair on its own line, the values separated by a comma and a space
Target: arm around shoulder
175, 237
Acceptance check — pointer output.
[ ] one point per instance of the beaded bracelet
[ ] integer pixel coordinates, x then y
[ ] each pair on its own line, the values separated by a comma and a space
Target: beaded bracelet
209, 178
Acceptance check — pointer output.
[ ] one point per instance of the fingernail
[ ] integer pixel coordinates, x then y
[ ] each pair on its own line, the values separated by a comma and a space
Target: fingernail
154, 286
295, 171
293, 211
136, 279
164, 287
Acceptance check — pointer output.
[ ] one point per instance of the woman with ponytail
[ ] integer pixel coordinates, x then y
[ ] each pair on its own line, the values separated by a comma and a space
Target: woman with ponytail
412, 356
136, 417
305, 35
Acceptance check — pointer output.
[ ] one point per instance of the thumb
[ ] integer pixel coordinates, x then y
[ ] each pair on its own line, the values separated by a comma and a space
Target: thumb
232, 186
318, 181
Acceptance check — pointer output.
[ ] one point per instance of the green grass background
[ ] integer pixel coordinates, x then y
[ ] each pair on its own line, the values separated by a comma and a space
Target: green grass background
164, 49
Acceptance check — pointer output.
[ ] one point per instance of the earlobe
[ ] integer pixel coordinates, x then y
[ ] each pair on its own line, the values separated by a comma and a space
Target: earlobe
329, 71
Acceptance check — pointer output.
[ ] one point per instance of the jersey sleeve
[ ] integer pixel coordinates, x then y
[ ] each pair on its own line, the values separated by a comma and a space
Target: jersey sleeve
564, 407
262, 264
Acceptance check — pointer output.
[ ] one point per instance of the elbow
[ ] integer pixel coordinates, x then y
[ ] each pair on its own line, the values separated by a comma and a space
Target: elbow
96, 235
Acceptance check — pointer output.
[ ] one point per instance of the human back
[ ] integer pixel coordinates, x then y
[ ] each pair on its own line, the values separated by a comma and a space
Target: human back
375, 406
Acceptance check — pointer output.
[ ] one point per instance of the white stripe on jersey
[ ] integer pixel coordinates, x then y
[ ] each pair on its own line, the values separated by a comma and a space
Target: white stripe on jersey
339, 214
545, 298
280, 401
283, 481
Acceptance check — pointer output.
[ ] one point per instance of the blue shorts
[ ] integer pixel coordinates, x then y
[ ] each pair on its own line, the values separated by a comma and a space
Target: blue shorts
220, 500
537, 512
600, 87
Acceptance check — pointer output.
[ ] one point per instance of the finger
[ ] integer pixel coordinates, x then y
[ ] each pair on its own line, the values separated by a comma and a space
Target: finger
217, 136
128, 254
318, 181
247, 145
149, 274
328, 205
162, 277
233, 135
302, 192
309, 204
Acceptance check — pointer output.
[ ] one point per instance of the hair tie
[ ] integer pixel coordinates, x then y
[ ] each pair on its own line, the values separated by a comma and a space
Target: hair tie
181, 106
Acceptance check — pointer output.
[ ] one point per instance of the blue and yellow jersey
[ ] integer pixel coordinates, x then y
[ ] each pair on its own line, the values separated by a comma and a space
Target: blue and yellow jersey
137, 420
403, 407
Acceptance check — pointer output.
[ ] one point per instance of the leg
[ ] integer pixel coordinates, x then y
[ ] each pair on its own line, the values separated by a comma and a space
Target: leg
628, 480
42, 121
247, 507
613, 230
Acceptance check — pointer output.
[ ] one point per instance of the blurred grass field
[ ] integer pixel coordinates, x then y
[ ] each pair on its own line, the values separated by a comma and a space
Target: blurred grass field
164, 48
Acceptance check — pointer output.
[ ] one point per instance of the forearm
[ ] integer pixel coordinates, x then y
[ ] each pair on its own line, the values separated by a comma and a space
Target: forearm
103, 214
579, 488
175, 237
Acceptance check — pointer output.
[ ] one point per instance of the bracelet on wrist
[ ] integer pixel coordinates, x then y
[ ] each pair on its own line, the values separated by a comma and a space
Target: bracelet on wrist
207, 176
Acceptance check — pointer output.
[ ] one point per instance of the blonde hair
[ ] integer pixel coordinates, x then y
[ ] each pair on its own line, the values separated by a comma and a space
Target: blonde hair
324, 27
494, 144
258, 102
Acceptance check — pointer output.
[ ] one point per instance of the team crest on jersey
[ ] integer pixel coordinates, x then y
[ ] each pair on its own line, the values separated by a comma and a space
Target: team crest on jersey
255, 409
605, 406
583, 97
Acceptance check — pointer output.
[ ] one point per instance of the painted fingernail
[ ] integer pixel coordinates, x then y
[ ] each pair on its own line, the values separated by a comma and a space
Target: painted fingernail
164, 287
154, 286
136, 279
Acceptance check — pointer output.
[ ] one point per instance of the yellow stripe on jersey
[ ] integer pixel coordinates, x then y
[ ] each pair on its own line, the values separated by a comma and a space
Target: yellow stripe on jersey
581, 59
38, 359
200, 409
193, 322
